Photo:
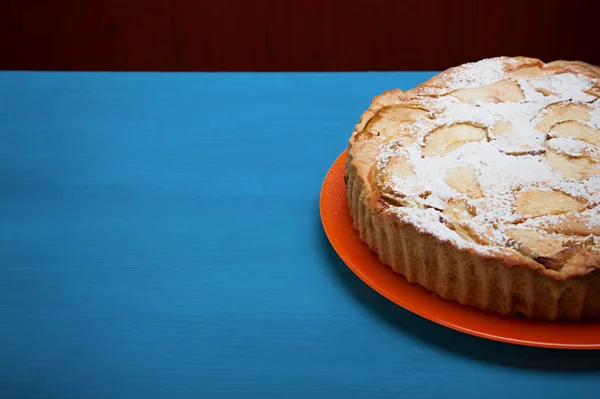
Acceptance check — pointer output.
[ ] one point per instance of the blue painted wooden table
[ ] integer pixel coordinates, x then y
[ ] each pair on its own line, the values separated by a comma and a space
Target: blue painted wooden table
160, 238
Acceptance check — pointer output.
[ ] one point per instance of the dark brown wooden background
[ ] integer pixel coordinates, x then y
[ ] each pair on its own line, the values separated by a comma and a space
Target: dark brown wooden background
284, 35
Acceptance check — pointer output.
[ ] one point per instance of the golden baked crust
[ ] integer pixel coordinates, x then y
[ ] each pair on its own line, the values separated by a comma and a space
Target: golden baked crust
483, 185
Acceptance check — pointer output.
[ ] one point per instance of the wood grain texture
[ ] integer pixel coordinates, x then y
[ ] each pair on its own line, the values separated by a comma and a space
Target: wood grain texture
277, 35
156, 244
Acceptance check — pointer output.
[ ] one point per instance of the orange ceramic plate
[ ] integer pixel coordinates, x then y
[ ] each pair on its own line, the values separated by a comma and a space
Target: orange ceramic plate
366, 265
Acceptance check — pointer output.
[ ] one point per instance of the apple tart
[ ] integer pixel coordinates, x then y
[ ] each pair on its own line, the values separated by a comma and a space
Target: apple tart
482, 185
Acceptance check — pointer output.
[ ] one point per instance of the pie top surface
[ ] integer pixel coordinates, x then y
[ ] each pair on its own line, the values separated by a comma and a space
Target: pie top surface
500, 157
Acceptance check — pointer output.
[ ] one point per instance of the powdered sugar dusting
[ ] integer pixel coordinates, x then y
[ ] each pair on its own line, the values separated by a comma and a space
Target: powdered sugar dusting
428, 221
572, 147
478, 73
595, 115
589, 217
510, 159
548, 89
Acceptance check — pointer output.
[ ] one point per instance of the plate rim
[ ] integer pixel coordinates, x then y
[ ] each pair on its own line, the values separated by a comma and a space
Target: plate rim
329, 182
